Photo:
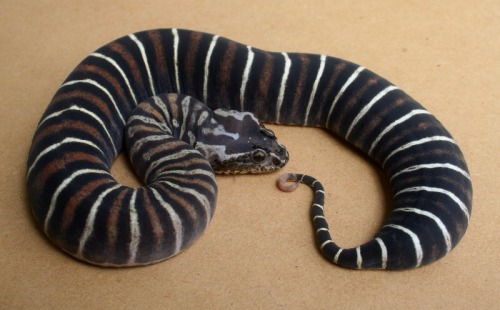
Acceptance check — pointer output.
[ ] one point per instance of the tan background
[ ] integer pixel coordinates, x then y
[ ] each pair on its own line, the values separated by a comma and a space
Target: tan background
258, 252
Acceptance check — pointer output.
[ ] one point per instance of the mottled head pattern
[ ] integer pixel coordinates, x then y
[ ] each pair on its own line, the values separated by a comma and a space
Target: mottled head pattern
236, 142
233, 142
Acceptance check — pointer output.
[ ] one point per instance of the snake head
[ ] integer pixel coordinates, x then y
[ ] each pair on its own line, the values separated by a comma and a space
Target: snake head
237, 143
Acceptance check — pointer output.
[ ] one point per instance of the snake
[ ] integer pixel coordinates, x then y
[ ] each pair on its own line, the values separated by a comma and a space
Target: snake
187, 105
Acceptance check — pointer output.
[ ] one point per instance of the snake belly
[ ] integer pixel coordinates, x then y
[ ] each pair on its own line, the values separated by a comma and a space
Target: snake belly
85, 212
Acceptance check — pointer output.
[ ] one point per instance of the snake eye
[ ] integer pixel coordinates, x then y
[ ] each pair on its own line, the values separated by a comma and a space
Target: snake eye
259, 156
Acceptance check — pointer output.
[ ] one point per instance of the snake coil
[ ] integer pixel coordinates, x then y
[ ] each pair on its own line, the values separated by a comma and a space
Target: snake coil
84, 211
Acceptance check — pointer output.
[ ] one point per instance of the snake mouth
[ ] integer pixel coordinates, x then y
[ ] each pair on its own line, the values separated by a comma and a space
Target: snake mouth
251, 163
253, 170
248, 165
241, 168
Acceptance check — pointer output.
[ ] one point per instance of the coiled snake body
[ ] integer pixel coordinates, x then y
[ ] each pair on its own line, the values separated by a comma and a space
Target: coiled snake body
140, 91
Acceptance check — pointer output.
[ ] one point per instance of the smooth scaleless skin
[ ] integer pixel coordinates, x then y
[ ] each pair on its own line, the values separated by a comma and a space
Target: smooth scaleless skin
142, 88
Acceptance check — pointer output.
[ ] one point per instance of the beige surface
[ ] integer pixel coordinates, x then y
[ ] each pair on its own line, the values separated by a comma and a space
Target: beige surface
258, 252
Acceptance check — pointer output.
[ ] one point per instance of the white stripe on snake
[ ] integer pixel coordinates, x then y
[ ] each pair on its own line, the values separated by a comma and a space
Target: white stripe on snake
142, 91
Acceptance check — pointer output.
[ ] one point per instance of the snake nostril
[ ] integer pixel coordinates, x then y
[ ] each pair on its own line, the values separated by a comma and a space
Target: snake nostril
276, 162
